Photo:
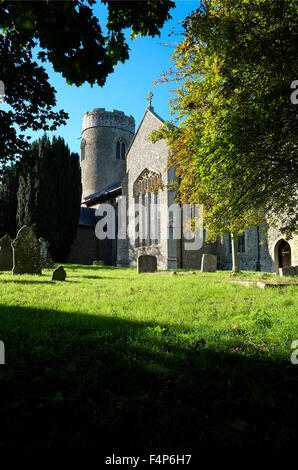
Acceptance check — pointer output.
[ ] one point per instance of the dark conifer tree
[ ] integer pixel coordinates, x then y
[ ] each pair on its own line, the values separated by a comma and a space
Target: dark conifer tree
8, 203
49, 195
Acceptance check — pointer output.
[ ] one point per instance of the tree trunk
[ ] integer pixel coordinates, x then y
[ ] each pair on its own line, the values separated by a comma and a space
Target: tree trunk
235, 266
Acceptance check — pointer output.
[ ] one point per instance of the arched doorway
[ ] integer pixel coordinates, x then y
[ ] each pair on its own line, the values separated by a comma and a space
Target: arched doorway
284, 254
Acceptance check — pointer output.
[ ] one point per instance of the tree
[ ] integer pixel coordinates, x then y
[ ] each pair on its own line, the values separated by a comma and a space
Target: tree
9, 203
235, 143
69, 36
49, 195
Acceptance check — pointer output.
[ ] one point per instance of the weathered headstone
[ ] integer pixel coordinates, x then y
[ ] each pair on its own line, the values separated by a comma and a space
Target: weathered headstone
209, 263
59, 274
288, 271
265, 285
45, 257
26, 252
98, 262
6, 257
147, 264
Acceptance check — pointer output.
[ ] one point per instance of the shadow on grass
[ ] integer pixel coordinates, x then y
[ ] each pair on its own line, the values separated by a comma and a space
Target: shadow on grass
116, 278
84, 382
72, 268
80, 267
33, 281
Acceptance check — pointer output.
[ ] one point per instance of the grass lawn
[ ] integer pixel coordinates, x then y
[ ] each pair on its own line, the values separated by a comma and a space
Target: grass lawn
110, 359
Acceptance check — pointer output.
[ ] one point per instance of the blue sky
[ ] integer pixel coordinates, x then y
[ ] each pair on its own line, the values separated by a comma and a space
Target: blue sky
127, 88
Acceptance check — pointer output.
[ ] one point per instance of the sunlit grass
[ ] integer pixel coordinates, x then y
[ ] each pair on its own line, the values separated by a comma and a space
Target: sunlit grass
137, 343
194, 305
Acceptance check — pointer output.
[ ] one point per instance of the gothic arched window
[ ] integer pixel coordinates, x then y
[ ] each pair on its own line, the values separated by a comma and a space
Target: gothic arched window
123, 151
147, 208
83, 145
120, 149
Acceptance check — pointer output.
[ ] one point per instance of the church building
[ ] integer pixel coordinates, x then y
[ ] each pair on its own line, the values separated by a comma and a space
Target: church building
121, 167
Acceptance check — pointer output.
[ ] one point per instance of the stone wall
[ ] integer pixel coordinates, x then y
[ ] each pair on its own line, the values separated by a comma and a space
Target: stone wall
267, 262
142, 155
274, 237
123, 244
255, 249
85, 248
192, 259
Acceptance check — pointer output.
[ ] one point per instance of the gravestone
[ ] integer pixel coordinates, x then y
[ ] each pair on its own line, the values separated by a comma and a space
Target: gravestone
147, 264
209, 263
26, 252
265, 285
288, 271
59, 274
98, 262
6, 257
45, 257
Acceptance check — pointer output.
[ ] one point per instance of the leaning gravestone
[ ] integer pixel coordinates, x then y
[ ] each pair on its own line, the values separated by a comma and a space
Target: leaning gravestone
26, 252
59, 274
98, 262
45, 257
209, 263
147, 264
6, 257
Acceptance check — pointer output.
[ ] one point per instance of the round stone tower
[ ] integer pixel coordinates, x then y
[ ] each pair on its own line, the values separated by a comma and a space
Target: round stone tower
106, 136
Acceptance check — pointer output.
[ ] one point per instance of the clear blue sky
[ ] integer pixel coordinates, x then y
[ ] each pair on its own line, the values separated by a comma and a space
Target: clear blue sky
126, 89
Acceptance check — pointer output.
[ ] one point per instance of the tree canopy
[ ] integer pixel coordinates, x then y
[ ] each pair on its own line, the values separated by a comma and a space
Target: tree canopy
234, 145
68, 35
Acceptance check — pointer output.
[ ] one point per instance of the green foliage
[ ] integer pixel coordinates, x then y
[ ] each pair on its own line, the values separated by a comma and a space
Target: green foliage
49, 195
30, 96
69, 36
235, 147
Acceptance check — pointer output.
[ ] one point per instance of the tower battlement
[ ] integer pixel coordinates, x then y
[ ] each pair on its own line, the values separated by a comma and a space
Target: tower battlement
99, 117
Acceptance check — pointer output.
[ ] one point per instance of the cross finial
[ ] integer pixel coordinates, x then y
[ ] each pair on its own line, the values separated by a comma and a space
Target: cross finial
149, 98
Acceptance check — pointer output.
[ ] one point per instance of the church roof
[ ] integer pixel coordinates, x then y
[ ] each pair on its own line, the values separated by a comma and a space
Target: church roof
149, 109
103, 194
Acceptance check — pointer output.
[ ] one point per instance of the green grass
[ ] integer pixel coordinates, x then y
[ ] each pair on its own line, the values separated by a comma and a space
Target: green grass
114, 359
